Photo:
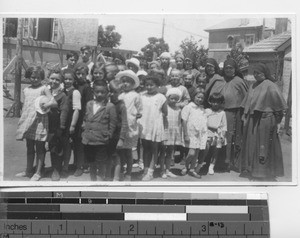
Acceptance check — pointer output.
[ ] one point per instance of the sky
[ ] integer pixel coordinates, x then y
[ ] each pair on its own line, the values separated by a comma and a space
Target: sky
137, 28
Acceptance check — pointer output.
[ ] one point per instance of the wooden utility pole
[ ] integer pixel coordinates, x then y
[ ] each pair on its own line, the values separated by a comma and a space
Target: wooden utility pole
16, 108
163, 29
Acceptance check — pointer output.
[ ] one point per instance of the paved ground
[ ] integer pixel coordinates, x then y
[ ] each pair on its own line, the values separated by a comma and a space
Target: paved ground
15, 162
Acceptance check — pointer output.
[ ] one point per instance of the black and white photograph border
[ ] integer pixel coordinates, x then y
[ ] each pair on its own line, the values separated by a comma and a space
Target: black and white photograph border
250, 38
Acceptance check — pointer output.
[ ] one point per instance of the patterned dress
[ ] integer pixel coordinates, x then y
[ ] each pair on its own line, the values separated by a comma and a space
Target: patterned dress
217, 127
174, 130
151, 123
32, 125
196, 126
133, 106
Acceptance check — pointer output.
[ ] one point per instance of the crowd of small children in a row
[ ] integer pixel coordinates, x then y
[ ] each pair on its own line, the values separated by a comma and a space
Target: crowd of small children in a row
104, 111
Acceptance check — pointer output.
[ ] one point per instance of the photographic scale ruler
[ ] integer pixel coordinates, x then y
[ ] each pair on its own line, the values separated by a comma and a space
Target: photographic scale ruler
88, 214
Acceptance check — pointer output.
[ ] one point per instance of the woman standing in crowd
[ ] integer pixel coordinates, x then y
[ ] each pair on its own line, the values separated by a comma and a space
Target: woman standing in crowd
261, 156
234, 91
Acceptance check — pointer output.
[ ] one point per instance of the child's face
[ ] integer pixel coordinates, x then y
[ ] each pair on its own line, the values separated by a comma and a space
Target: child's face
85, 55
201, 82
165, 62
151, 87
215, 106
229, 71
173, 99
199, 99
188, 64
54, 80
114, 96
127, 83
71, 62
179, 63
69, 80
81, 75
100, 93
153, 66
98, 74
132, 67
188, 80
35, 79
175, 78
111, 71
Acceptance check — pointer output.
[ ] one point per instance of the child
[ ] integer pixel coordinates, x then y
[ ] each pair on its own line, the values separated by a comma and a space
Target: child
98, 72
151, 124
129, 82
81, 72
74, 107
85, 53
201, 80
195, 132
173, 131
33, 125
217, 127
57, 122
120, 134
72, 58
175, 79
111, 69
188, 80
99, 125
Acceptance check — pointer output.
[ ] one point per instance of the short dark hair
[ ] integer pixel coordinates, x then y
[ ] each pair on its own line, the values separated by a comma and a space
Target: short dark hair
154, 79
37, 70
81, 66
72, 54
68, 71
100, 83
100, 66
55, 70
86, 47
216, 98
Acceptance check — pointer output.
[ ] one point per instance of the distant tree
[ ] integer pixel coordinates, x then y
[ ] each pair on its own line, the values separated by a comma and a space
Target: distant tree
192, 49
154, 48
108, 37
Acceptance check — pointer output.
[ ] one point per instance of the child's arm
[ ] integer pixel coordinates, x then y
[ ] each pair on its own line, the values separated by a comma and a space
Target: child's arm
164, 110
139, 106
76, 104
51, 103
223, 126
184, 116
124, 126
113, 120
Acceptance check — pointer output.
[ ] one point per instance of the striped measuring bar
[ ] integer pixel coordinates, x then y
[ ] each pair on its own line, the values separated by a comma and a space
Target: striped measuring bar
87, 214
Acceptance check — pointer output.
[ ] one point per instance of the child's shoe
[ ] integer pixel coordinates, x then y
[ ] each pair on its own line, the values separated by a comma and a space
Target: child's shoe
24, 174
55, 175
78, 172
147, 177
36, 177
164, 176
170, 174
64, 173
184, 171
194, 174
211, 169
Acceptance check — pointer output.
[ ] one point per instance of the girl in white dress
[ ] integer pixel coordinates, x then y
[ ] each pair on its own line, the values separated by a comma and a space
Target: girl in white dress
151, 124
195, 132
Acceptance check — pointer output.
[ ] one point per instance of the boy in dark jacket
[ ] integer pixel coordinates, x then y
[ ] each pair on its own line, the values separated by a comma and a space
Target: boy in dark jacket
99, 125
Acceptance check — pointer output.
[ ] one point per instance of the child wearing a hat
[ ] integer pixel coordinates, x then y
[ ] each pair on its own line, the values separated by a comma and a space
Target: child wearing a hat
33, 124
129, 82
133, 64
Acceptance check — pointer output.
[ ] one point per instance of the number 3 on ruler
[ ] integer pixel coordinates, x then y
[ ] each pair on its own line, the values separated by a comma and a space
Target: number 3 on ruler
203, 228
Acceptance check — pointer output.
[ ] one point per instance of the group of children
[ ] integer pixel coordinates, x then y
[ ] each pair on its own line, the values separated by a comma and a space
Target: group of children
103, 113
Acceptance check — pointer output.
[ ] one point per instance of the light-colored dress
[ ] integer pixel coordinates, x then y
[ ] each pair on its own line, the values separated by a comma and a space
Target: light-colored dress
217, 127
196, 125
133, 104
32, 125
151, 123
174, 130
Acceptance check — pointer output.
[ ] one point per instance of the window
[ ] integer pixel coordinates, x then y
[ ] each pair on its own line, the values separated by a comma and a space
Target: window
232, 40
10, 27
249, 39
55, 30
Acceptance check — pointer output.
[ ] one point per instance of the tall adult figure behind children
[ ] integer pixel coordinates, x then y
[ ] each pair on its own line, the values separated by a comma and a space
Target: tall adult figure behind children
264, 105
234, 91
